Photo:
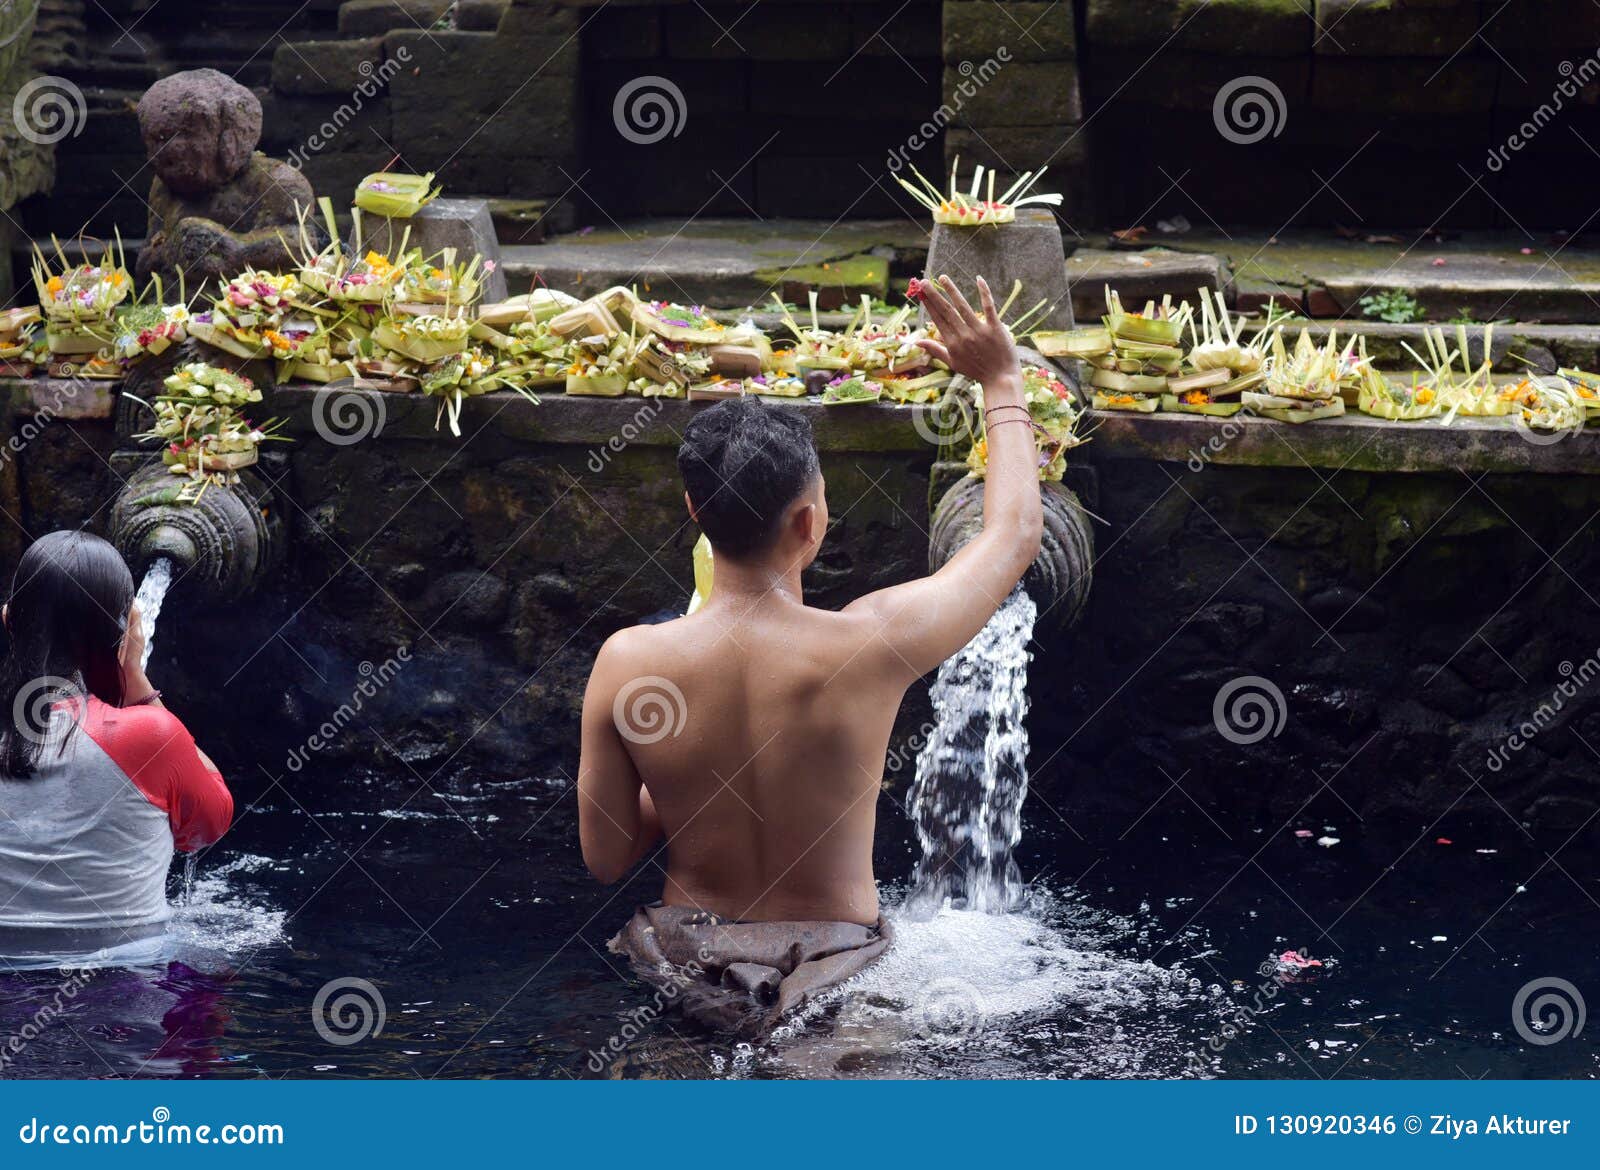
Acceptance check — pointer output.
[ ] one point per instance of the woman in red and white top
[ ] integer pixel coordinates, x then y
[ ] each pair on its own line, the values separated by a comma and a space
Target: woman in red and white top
98, 781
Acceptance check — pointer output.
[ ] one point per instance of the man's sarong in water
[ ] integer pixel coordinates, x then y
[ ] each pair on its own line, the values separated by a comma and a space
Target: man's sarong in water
743, 977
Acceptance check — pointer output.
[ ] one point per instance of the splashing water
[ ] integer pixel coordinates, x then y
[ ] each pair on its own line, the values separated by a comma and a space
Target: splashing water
152, 592
191, 862
972, 776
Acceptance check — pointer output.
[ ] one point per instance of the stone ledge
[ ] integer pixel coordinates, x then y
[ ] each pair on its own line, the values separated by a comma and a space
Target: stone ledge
65, 398
1353, 442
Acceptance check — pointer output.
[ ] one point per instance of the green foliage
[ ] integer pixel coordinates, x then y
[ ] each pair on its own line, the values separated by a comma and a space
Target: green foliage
1396, 306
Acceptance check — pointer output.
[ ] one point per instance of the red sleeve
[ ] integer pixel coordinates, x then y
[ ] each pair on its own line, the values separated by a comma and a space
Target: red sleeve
158, 754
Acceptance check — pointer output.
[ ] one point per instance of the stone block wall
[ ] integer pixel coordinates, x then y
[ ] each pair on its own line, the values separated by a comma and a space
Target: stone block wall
787, 108
1386, 111
1012, 93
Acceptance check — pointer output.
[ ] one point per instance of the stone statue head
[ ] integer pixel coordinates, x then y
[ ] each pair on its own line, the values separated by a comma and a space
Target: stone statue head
199, 128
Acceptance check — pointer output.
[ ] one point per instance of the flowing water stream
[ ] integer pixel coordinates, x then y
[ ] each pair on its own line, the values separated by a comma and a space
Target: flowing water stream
152, 592
972, 775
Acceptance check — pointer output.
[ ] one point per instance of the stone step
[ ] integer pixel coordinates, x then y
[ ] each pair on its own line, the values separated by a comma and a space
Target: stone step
728, 263
1486, 276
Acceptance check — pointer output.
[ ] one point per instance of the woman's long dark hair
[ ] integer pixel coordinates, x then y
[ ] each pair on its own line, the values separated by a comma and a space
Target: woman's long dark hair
66, 619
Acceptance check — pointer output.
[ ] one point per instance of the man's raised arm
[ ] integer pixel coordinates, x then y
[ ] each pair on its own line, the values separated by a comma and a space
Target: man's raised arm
927, 620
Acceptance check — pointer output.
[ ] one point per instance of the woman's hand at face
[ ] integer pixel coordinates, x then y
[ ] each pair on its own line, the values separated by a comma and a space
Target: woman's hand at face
131, 657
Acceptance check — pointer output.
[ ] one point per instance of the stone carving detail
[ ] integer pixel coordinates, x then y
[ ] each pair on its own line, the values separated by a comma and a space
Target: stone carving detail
225, 544
216, 204
1059, 577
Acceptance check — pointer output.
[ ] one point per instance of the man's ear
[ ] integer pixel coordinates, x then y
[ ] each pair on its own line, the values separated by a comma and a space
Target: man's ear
689, 504
805, 523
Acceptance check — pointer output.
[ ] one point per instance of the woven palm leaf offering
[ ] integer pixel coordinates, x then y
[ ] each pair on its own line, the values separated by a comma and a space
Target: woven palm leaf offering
206, 437
601, 366
17, 333
423, 339
685, 324
1469, 391
1054, 415
1586, 386
1547, 402
975, 205
1146, 349
1380, 397
251, 314
1218, 369
394, 195
818, 355
889, 353
78, 301
467, 374
439, 284
666, 369
1305, 383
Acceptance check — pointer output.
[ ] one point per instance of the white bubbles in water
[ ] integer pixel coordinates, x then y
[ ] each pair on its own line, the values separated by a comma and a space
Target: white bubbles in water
1029, 994
219, 916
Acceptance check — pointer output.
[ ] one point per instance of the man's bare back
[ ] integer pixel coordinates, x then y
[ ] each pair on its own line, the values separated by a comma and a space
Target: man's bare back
752, 734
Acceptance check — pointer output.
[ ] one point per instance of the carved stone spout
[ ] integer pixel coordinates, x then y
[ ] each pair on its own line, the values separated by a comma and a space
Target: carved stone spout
1059, 578
223, 544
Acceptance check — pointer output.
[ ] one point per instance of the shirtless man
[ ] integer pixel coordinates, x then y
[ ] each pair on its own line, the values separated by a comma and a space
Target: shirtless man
753, 732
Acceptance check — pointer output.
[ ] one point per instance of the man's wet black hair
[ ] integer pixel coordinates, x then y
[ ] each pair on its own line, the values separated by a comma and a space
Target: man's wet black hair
743, 462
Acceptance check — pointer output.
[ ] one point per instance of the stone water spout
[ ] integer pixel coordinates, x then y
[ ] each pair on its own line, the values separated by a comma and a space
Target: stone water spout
1058, 580
224, 544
